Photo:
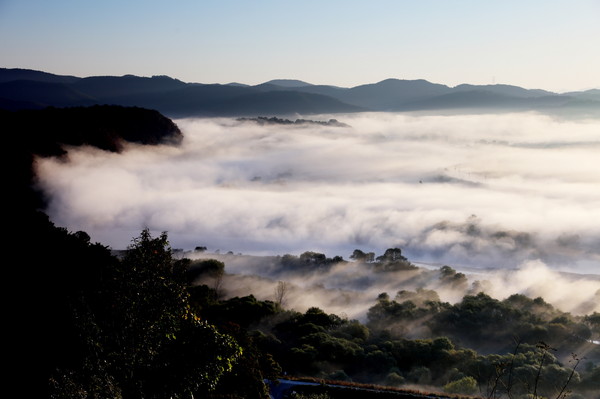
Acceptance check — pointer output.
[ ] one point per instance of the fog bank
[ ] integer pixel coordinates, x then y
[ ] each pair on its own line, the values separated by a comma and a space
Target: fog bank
496, 191
351, 288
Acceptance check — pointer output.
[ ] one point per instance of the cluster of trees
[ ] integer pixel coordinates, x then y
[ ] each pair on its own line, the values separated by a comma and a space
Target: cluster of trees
391, 260
126, 328
137, 326
479, 345
307, 261
86, 324
479, 321
263, 120
513, 362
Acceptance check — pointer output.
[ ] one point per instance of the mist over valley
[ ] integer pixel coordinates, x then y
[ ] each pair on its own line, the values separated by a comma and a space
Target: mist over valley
302, 200
510, 199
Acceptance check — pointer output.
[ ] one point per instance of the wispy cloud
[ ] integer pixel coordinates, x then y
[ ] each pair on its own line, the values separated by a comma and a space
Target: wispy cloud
351, 288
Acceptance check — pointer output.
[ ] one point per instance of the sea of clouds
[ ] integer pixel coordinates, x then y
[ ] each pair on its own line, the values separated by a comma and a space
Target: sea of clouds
517, 194
473, 190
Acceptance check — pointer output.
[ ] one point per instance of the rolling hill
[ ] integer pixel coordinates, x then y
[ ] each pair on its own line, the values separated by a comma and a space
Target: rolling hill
30, 89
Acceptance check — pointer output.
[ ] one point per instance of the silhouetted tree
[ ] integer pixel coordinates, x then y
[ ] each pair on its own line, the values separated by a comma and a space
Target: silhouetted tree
137, 334
281, 292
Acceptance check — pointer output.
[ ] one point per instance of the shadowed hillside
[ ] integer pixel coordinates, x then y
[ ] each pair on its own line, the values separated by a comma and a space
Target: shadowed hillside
21, 89
32, 133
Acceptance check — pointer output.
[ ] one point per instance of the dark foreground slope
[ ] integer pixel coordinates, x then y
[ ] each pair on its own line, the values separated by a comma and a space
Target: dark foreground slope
28, 134
47, 262
46, 132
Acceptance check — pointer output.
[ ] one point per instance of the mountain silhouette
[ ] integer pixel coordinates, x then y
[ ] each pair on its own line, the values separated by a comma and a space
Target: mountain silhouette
486, 99
289, 83
9, 75
30, 89
106, 87
390, 94
43, 93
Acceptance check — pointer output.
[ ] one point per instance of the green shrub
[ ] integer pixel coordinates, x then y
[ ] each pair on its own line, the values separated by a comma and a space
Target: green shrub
466, 386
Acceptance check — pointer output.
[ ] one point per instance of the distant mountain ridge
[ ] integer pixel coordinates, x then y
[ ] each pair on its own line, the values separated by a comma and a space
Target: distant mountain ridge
30, 89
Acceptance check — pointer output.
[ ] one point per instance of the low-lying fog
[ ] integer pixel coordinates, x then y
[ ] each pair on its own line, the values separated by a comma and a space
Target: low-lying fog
351, 288
493, 191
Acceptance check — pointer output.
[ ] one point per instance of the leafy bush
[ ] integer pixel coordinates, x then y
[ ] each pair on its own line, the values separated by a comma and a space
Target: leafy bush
466, 386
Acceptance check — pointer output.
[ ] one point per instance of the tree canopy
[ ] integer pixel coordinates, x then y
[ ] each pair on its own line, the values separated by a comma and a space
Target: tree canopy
134, 334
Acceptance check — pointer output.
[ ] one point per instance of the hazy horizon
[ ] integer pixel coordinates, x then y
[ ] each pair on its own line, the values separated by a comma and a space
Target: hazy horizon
297, 80
546, 45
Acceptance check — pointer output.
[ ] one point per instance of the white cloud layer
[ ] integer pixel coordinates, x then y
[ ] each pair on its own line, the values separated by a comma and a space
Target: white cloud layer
473, 190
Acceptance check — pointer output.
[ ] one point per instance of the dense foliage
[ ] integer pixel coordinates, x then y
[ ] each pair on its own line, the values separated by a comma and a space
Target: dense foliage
132, 333
479, 345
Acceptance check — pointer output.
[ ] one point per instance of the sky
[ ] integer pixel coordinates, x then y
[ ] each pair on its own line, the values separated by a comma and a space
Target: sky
545, 44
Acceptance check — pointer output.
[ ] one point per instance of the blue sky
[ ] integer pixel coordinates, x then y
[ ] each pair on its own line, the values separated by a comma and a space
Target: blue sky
548, 44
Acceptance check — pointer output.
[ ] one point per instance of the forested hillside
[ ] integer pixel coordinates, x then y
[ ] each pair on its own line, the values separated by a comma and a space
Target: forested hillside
479, 345
148, 324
